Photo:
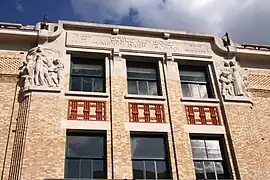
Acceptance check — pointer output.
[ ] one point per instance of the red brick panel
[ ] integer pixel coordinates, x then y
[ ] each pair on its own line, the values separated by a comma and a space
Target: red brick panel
86, 110
146, 113
202, 115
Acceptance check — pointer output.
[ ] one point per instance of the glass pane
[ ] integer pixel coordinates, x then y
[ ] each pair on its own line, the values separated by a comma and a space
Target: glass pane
98, 169
212, 144
192, 76
203, 91
75, 83
220, 170
150, 170
214, 153
72, 168
132, 87
162, 171
138, 169
85, 146
199, 153
98, 85
85, 171
141, 73
209, 168
153, 90
199, 170
87, 84
143, 87
185, 90
87, 69
194, 90
197, 143
147, 147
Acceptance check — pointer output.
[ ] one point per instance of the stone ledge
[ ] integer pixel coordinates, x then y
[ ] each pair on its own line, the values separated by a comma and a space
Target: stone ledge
81, 93
148, 127
188, 99
204, 129
145, 97
85, 125
237, 99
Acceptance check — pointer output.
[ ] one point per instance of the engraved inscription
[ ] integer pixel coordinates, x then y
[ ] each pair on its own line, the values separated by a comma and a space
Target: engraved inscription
131, 42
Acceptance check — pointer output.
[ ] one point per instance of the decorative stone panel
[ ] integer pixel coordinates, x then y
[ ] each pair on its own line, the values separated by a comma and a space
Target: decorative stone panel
203, 115
10, 62
146, 113
86, 110
259, 81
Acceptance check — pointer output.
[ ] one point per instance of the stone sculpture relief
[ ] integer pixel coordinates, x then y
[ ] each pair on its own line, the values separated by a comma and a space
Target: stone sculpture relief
42, 68
233, 80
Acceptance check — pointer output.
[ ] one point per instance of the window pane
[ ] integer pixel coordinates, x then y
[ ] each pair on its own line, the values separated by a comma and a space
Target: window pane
75, 83
85, 171
153, 90
162, 171
185, 90
85, 146
209, 168
141, 73
87, 69
87, 84
147, 147
220, 170
199, 153
197, 143
150, 170
212, 144
194, 90
72, 168
192, 76
138, 169
214, 153
98, 85
143, 87
98, 169
199, 170
203, 91
132, 87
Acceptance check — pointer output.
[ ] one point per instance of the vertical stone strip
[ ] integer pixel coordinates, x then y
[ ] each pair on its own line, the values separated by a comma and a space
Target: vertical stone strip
122, 166
146, 113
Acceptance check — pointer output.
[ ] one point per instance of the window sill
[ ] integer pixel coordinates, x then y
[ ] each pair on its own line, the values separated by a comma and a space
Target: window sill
190, 99
145, 97
81, 93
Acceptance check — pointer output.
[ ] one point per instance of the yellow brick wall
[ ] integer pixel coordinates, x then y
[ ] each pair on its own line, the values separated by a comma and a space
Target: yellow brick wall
10, 62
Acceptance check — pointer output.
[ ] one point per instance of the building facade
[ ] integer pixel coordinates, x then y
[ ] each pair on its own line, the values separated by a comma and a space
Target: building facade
83, 100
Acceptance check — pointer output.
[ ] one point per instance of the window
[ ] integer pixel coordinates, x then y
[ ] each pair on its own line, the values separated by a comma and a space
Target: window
149, 158
208, 160
85, 156
87, 75
194, 82
142, 79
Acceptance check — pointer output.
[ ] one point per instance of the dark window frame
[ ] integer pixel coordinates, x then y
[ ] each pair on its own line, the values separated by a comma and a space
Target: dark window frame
166, 159
224, 154
208, 81
102, 134
88, 61
147, 65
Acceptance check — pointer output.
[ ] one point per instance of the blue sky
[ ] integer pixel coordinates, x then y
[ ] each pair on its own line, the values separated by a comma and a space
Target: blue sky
246, 20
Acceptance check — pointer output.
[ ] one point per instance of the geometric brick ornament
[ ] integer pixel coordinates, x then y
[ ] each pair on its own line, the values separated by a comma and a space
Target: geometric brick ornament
203, 115
86, 110
146, 113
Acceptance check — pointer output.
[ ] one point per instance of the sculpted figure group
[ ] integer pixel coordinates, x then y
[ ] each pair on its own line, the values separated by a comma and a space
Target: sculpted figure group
41, 69
233, 81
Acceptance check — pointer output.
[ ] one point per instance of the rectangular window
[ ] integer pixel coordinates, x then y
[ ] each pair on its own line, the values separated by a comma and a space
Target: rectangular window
208, 157
195, 82
87, 75
149, 157
142, 79
85, 156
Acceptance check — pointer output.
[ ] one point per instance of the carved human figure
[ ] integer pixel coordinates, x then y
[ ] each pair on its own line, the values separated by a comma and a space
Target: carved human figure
59, 67
238, 83
225, 79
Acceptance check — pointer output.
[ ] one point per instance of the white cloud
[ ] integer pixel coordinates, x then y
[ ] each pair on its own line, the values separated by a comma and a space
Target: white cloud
245, 20
19, 6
